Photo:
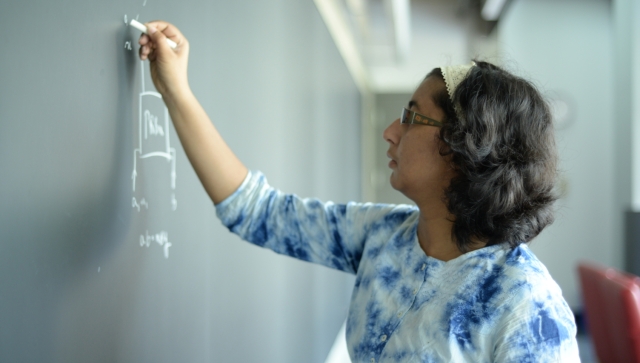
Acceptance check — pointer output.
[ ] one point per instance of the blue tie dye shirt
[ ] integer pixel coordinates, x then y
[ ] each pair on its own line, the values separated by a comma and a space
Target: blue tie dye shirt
495, 304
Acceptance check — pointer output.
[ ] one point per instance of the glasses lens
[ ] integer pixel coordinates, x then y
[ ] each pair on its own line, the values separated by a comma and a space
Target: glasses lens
404, 116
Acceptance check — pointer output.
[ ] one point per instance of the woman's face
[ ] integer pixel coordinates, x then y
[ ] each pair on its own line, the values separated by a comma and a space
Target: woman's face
418, 169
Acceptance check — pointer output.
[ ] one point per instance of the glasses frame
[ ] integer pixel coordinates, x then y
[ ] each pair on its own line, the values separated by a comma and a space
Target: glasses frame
410, 117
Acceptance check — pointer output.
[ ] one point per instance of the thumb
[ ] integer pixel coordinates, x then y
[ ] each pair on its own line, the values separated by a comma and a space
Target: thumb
158, 38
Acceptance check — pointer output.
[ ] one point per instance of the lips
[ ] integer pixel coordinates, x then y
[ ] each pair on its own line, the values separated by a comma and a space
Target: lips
392, 162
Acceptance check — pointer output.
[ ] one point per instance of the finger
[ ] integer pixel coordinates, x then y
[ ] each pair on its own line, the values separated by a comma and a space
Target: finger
144, 39
159, 40
169, 30
152, 56
145, 50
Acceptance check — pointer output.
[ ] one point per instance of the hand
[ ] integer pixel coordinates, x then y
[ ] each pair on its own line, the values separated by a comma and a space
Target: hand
168, 66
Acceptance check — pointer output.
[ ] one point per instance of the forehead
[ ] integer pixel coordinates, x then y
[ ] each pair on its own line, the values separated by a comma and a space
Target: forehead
423, 98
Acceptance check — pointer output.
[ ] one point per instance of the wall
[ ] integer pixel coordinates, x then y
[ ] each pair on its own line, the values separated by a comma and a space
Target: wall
75, 283
566, 48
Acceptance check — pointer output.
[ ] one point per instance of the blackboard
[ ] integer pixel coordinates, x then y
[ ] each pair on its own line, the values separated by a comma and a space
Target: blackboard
110, 250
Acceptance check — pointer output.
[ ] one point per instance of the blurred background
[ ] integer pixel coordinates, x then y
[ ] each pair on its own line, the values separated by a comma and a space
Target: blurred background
302, 91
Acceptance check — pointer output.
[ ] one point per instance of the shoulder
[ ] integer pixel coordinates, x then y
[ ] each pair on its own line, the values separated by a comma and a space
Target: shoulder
536, 316
528, 276
528, 285
504, 281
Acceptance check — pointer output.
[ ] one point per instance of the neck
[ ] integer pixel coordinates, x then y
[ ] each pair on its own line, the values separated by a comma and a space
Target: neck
435, 237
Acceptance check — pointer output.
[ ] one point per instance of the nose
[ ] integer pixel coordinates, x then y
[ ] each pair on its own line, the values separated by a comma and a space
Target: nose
391, 133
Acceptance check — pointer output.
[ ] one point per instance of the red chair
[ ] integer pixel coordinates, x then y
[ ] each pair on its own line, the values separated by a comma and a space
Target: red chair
622, 305
595, 311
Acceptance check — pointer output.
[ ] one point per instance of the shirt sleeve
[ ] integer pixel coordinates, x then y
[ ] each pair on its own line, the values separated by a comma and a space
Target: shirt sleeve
538, 331
325, 233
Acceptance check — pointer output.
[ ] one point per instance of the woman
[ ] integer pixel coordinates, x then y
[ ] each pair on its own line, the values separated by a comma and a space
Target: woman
449, 281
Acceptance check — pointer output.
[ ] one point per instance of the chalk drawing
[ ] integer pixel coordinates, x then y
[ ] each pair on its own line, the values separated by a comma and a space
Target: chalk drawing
154, 142
144, 3
155, 129
161, 238
127, 45
135, 204
125, 19
151, 126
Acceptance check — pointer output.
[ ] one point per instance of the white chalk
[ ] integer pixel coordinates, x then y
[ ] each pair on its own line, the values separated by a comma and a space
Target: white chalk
138, 25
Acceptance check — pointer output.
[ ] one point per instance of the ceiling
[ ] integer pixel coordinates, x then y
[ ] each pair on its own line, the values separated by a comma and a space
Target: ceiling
389, 45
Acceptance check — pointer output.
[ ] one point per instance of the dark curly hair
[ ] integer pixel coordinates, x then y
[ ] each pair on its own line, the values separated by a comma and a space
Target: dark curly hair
499, 134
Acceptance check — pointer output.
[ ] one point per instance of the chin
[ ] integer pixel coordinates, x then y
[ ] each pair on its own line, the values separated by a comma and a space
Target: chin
391, 181
395, 184
401, 187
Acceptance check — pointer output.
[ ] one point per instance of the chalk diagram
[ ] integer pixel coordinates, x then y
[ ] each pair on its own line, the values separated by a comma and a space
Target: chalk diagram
153, 144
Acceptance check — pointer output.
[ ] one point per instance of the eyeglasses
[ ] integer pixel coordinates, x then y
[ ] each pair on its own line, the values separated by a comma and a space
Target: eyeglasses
410, 117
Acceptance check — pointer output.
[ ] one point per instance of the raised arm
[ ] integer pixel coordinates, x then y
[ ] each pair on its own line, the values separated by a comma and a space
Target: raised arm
217, 167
